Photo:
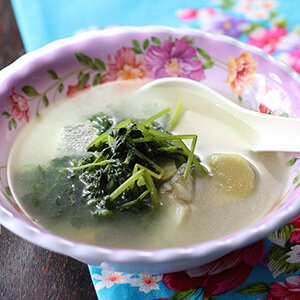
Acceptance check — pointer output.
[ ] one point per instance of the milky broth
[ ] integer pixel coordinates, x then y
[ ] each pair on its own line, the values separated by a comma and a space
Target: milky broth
213, 213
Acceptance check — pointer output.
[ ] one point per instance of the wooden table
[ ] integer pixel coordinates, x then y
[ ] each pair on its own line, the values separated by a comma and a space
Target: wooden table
27, 271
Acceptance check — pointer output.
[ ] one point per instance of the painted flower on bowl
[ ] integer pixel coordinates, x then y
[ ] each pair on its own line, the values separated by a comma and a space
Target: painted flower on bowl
242, 72
174, 59
273, 99
269, 99
126, 66
19, 106
263, 108
220, 275
267, 39
73, 89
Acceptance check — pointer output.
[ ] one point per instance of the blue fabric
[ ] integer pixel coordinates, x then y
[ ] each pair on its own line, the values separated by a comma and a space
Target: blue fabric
41, 22
273, 272
134, 287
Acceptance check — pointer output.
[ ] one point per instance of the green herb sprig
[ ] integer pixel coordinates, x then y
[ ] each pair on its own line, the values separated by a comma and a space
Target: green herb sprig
119, 174
134, 147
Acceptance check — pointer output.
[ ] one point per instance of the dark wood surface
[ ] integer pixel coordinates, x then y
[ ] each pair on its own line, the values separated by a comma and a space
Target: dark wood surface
28, 271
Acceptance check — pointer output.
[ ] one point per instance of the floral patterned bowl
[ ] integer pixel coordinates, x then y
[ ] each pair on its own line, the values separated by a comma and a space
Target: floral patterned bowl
242, 73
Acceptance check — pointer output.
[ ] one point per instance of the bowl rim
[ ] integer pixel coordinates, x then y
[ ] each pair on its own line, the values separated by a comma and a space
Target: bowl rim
220, 246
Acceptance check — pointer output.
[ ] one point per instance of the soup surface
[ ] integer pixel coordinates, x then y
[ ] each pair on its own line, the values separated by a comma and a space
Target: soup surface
211, 211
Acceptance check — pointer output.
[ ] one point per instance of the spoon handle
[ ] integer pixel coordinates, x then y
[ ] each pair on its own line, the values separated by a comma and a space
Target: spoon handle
276, 133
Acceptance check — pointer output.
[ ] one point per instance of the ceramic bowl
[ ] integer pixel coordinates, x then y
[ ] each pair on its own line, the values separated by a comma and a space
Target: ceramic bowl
242, 73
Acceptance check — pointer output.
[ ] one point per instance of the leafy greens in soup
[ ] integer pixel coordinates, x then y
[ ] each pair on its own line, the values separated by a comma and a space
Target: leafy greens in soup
120, 171
131, 177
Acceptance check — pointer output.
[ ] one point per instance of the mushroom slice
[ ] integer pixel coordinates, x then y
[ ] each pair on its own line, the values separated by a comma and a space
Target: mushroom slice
178, 188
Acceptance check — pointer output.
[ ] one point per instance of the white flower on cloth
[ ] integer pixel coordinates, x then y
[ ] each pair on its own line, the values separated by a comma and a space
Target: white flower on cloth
294, 255
147, 282
109, 278
256, 9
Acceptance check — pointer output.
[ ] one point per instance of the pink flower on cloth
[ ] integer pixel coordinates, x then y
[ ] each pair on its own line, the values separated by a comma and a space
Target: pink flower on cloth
189, 14
287, 290
109, 278
219, 276
294, 60
126, 66
20, 108
295, 235
256, 9
146, 283
242, 72
267, 39
174, 59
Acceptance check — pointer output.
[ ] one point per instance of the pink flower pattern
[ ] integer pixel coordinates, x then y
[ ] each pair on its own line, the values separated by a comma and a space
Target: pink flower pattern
219, 276
125, 66
174, 59
187, 14
295, 235
19, 106
294, 60
73, 90
287, 290
242, 72
267, 39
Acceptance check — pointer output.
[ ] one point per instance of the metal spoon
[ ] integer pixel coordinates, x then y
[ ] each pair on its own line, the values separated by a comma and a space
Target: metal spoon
276, 133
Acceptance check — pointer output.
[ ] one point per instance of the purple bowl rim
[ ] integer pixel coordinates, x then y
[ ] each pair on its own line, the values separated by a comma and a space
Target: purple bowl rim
211, 248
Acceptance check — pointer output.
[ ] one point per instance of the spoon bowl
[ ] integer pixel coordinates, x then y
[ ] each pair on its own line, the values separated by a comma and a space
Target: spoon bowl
276, 133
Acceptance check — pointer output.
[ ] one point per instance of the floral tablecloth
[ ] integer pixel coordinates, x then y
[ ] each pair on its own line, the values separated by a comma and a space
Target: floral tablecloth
268, 269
